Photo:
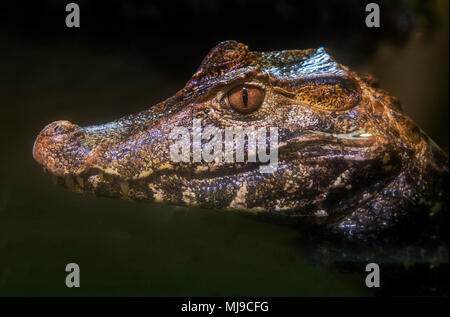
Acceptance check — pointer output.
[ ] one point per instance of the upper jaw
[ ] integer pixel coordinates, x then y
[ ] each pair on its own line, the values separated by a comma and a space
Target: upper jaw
62, 150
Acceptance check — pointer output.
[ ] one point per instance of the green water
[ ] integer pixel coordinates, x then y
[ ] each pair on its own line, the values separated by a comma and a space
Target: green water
139, 249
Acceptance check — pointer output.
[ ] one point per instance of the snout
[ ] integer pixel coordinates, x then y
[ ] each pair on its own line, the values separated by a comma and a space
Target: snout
59, 148
56, 128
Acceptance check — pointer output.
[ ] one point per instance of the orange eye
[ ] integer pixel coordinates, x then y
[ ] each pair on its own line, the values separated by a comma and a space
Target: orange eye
245, 99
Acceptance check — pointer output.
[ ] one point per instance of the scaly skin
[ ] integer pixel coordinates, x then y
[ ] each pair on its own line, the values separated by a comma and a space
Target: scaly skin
349, 159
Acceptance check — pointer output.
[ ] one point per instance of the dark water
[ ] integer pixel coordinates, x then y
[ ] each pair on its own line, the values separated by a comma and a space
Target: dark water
142, 249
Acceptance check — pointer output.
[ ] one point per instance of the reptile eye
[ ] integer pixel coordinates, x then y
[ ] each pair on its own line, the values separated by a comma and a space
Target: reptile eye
245, 99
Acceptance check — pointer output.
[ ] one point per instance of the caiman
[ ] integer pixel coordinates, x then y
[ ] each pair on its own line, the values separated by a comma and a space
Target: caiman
349, 160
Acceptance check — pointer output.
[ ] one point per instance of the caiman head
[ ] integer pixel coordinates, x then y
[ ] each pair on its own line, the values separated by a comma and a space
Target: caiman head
342, 153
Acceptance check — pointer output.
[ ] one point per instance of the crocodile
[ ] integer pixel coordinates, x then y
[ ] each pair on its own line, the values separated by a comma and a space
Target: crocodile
349, 161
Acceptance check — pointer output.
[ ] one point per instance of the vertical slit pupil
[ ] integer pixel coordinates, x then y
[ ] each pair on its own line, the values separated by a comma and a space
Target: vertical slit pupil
244, 97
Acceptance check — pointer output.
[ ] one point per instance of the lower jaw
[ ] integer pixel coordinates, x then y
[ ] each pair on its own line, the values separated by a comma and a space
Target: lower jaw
152, 188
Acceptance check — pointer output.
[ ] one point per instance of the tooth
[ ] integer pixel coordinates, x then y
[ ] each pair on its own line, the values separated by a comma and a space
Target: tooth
125, 188
45, 170
80, 181
70, 183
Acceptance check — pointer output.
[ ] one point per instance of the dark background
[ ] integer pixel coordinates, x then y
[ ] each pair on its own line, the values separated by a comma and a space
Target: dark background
128, 55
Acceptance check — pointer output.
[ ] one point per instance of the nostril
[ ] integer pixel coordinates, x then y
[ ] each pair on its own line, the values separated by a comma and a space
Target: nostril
57, 129
60, 127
